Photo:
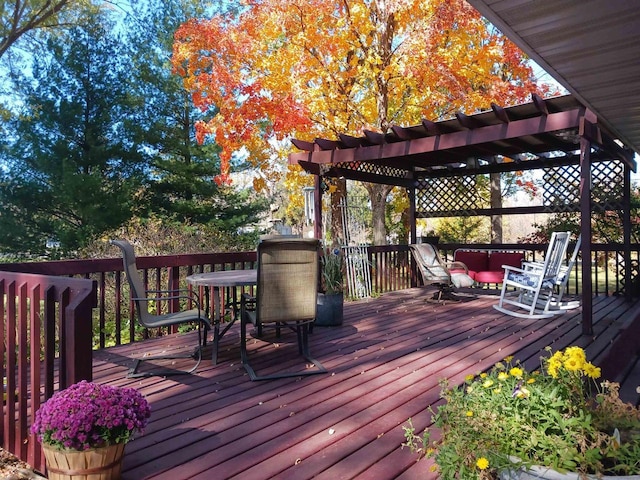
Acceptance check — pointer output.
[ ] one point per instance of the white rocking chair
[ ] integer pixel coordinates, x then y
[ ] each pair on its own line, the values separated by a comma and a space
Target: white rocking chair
562, 280
529, 292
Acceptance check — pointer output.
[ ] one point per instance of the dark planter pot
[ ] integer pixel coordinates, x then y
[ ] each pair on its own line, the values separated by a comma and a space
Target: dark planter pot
329, 312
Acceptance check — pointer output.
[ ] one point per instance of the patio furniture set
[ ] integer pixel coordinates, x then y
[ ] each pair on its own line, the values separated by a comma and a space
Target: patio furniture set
286, 281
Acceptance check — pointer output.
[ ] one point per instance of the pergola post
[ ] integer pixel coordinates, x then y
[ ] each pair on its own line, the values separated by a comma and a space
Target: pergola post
585, 228
413, 234
317, 206
626, 231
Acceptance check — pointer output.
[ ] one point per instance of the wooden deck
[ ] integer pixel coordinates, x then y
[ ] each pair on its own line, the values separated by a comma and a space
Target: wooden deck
384, 366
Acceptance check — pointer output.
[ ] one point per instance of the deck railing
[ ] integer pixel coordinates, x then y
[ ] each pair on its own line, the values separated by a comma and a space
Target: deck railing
46, 337
53, 343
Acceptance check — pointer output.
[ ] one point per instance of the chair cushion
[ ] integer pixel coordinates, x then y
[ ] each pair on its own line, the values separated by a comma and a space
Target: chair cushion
490, 277
475, 261
461, 280
471, 273
523, 278
497, 259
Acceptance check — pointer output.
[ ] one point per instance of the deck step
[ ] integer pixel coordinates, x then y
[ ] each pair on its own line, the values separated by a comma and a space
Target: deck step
630, 383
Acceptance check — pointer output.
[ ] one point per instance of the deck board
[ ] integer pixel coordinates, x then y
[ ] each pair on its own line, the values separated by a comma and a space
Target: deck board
384, 363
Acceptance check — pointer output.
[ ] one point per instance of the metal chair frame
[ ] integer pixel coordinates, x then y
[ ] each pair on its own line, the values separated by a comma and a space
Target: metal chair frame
140, 296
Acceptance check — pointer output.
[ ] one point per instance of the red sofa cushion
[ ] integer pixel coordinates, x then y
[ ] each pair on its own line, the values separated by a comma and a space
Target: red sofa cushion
497, 259
489, 277
475, 261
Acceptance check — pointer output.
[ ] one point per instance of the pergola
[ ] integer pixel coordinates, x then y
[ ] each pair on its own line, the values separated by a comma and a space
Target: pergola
585, 168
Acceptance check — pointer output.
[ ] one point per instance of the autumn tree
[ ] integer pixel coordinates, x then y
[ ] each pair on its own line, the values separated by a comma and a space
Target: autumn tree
320, 68
181, 187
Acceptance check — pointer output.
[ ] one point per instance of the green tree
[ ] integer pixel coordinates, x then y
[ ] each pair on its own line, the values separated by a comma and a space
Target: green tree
73, 168
462, 230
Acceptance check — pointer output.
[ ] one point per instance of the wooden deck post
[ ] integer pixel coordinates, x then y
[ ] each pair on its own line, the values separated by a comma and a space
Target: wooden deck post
585, 225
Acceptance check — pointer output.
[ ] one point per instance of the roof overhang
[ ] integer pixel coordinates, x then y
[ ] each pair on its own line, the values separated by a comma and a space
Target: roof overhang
591, 48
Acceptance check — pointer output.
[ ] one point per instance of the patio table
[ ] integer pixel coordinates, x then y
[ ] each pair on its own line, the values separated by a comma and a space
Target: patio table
216, 281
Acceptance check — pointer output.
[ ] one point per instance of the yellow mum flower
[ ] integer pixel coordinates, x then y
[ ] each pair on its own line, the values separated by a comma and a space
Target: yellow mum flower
557, 357
483, 375
508, 359
503, 376
469, 378
516, 372
553, 366
577, 353
487, 383
573, 364
469, 413
531, 380
591, 370
482, 463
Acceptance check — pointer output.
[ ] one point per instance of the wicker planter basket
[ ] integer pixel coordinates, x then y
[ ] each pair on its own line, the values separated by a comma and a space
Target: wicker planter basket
104, 463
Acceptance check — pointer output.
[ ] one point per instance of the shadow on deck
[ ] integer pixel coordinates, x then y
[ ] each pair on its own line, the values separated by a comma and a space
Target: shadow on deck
384, 366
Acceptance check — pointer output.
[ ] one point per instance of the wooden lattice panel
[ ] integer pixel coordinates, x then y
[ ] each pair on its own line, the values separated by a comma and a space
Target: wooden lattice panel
607, 186
453, 194
382, 170
561, 187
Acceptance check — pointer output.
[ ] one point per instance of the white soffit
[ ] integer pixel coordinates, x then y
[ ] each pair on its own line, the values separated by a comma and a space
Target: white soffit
591, 47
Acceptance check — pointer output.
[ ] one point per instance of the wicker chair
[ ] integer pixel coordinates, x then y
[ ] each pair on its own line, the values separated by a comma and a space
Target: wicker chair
286, 296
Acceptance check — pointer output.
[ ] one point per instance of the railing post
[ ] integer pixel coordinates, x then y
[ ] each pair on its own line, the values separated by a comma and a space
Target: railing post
78, 338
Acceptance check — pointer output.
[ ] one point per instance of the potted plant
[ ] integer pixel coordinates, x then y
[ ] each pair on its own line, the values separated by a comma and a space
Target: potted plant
555, 423
83, 429
331, 299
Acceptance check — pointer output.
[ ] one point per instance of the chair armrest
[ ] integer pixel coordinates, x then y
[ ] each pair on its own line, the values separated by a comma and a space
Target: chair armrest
532, 265
188, 292
511, 268
457, 265
195, 299
246, 299
169, 291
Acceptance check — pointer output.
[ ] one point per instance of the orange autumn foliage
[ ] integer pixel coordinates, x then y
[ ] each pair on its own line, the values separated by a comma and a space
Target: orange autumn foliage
316, 68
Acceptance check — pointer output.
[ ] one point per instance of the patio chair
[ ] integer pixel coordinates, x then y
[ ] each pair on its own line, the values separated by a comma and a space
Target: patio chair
141, 298
529, 292
286, 297
562, 280
435, 271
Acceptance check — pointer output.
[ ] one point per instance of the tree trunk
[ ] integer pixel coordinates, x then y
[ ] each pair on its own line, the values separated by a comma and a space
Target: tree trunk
496, 202
337, 227
378, 196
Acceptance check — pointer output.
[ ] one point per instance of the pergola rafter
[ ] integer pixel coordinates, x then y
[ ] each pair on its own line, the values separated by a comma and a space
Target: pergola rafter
543, 134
